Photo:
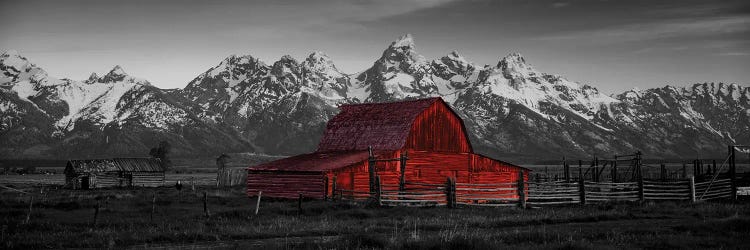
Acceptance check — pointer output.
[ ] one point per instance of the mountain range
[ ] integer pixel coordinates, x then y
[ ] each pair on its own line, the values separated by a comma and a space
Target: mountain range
511, 110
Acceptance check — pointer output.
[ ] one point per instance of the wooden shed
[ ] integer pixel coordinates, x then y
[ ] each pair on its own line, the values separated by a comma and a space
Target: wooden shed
117, 172
427, 130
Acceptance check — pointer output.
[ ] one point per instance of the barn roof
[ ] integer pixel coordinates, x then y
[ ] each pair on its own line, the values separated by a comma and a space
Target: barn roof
314, 162
384, 126
115, 165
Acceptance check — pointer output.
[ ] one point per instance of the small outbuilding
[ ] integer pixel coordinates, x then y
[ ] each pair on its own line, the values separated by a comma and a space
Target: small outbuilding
427, 130
117, 172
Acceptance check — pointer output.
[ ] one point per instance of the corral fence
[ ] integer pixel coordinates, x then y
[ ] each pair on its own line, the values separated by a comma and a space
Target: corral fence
539, 194
227, 177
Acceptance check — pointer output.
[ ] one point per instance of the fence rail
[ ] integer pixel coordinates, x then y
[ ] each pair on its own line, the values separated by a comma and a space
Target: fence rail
536, 194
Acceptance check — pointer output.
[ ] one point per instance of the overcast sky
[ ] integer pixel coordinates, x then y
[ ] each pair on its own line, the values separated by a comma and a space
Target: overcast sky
612, 45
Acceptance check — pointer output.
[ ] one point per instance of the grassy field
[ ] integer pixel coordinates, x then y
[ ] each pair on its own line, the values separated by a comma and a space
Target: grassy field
65, 219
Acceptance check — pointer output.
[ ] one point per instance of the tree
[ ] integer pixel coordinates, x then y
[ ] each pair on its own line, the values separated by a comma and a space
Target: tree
161, 152
221, 161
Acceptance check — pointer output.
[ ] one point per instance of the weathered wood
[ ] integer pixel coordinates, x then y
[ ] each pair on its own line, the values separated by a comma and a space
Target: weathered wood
733, 171
325, 187
378, 191
206, 212
521, 190
28, 214
581, 188
333, 188
257, 202
153, 208
299, 204
641, 193
96, 212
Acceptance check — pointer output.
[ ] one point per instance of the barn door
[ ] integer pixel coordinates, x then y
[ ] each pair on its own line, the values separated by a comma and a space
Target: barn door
85, 182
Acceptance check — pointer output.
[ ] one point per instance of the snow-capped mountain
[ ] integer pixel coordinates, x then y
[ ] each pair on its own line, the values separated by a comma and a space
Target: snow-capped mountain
115, 114
511, 109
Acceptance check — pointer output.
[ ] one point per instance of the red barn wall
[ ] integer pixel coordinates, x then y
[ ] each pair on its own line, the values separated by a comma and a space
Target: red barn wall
286, 184
438, 129
428, 167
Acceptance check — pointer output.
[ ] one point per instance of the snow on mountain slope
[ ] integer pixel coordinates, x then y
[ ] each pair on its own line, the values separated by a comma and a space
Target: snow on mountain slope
511, 109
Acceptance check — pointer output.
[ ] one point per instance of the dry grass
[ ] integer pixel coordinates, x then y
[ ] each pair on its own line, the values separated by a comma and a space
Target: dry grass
65, 219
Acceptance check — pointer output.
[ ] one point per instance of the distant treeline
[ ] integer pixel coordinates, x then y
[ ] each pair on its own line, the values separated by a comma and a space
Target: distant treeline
36, 163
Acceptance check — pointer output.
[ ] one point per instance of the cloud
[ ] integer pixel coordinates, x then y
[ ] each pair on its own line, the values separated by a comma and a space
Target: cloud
560, 4
660, 29
735, 53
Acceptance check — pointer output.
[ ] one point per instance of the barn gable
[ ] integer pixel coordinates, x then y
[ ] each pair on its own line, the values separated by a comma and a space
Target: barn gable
393, 126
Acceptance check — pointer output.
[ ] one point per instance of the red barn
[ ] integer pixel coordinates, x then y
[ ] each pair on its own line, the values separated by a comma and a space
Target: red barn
428, 130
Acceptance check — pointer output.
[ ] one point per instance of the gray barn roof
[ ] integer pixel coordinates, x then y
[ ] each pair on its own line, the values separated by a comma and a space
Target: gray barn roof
114, 165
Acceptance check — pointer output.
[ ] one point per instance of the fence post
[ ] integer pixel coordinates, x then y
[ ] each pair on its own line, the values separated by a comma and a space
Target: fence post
378, 191
692, 189
581, 188
371, 168
732, 172
206, 213
31, 204
521, 190
641, 194
96, 211
257, 203
684, 171
153, 207
566, 166
325, 188
663, 172
333, 186
614, 171
299, 204
580, 172
402, 167
450, 192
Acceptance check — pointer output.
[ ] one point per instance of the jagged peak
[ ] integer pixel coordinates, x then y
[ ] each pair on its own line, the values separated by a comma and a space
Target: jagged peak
92, 78
117, 70
404, 41
287, 59
11, 52
318, 56
515, 62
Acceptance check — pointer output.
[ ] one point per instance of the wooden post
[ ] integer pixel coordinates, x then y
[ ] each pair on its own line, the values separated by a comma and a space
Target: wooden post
31, 204
713, 170
299, 204
521, 188
614, 171
378, 191
695, 168
257, 203
692, 188
333, 192
733, 172
450, 192
96, 212
566, 168
371, 168
580, 172
325, 188
663, 172
641, 194
581, 187
402, 168
206, 213
153, 207
684, 171
638, 163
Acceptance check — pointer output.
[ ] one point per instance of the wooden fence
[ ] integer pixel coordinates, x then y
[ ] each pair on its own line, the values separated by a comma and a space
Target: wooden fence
231, 177
537, 194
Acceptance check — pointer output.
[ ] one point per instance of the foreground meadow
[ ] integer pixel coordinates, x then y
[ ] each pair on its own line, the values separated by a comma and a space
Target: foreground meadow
68, 219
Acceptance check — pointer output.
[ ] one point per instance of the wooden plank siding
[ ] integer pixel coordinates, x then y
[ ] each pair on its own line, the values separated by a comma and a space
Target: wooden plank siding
432, 134
437, 128
286, 184
430, 168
